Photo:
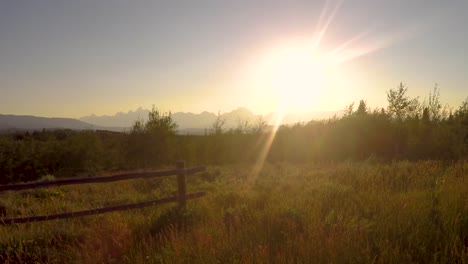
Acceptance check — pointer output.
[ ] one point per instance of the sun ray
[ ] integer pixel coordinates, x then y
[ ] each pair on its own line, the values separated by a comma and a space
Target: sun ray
265, 148
322, 29
302, 73
348, 42
347, 52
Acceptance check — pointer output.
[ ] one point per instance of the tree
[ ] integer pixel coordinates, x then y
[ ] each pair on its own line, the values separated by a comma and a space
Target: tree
259, 126
160, 123
426, 116
462, 111
149, 141
362, 108
400, 105
218, 125
434, 106
348, 111
138, 127
243, 127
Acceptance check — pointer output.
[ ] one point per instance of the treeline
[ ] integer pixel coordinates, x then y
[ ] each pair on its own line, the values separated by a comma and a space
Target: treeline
406, 129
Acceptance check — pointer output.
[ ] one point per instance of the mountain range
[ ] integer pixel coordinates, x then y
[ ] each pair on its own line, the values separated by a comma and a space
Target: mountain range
190, 121
23, 122
187, 122
11, 123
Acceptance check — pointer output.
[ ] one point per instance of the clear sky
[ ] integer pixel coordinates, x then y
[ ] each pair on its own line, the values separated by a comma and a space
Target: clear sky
74, 58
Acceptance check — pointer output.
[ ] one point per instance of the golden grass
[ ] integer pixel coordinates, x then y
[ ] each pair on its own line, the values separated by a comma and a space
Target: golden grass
324, 213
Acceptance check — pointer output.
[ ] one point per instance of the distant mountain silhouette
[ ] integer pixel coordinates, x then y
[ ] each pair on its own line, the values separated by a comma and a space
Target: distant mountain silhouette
120, 119
188, 123
185, 120
23, 122
206, 119
197, 123
306, 117
193, 121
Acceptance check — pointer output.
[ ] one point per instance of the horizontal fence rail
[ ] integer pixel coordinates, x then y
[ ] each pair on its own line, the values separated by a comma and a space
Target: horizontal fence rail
98, 210
181, 172
100, 179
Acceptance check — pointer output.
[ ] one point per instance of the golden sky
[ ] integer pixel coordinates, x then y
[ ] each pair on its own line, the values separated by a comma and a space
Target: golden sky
73, 59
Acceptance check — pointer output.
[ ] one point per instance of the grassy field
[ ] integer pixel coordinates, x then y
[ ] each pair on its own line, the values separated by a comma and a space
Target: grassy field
348, 212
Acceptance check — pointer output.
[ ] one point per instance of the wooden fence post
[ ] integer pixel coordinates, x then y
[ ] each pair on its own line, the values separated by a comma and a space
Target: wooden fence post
181, 183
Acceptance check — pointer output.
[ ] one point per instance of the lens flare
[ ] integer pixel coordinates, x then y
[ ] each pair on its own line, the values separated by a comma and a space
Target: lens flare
265, 149
295, 74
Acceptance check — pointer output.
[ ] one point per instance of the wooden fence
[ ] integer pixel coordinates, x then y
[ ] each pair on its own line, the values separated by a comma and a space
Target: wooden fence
181, 171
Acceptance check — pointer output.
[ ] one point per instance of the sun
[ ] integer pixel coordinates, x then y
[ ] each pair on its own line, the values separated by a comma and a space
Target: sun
302, 76
294, 75
298, 74
302, 73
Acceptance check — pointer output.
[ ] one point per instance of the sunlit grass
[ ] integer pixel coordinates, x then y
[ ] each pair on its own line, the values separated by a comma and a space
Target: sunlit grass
326, 213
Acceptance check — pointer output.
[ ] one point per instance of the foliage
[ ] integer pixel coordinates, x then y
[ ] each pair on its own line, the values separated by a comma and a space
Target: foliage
400, 105
357, 187
149, 142
217, 127
408, 129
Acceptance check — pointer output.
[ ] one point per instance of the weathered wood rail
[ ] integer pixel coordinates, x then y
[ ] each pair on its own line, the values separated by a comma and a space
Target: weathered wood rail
181, 197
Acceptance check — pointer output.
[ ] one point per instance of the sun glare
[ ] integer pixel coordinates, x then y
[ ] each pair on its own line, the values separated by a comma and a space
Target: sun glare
295, 74
299, 76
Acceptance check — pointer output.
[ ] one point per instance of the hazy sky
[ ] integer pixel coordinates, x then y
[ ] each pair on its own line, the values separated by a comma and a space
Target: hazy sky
74, 58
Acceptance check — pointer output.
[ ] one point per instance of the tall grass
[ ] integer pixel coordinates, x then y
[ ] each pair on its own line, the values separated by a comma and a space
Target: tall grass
346, 212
